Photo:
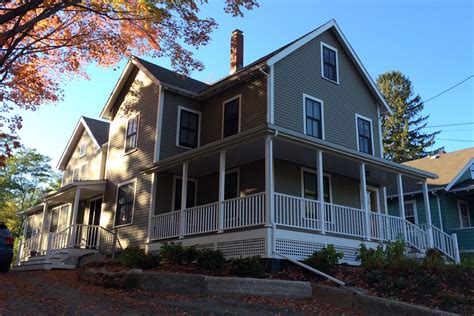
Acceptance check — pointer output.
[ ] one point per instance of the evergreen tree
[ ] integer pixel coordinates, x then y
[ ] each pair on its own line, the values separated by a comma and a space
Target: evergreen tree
404, 138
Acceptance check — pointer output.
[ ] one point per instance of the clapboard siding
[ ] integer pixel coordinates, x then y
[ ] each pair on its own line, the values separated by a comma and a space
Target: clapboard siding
300, 72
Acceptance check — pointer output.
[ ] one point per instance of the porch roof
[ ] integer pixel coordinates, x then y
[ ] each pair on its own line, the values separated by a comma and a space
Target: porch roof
89, 188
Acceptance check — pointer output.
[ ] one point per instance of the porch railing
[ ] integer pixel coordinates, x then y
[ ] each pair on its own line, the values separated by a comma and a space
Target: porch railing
244, 211
445, 243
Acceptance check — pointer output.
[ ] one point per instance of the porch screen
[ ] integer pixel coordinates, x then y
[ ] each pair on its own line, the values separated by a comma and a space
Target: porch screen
310, 187
125, 199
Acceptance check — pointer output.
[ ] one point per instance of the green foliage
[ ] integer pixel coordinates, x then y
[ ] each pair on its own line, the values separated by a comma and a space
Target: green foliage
467, 261
247, 267
433, 261
325, 260
371, 258
190, 254
173, 252
209, 259
136, 258
392, 257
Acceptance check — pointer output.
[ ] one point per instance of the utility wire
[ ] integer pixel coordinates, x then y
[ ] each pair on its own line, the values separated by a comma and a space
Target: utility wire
443, 92
456, 140
446, 125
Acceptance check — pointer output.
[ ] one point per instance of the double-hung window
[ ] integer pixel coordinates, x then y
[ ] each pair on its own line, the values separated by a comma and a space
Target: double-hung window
188, 128
329, 63
313, 111
231, 187
131, 136
125, 204
410, 212
82, 149
310, 186
231, 117
364, 135
463, 208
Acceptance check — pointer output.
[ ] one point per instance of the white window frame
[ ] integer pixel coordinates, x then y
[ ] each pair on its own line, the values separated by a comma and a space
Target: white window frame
315, 172
240, 113
305, 96
415, 210
50, 215
178, 123
136, 116
78, 167
82, 149
376, 190
322, 62
121, 184
235, 170
173, 191
460, 216
357, 116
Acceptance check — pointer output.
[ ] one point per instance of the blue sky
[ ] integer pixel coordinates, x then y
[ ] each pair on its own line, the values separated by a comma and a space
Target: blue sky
430, 41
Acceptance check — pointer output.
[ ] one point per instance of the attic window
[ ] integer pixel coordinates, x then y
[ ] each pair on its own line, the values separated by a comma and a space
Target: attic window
82, 150
329, 63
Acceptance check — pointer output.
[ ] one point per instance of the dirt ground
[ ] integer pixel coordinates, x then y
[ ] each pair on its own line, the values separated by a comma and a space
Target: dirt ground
60, 292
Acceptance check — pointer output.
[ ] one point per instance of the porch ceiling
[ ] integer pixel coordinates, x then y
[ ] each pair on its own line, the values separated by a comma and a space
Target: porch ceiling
66, 194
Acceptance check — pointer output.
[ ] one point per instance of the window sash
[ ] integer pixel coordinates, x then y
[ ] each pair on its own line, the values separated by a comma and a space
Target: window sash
464, 214
125, 201
310, 187
188, 129
313, 118
329, 64
231, 117
364, 130
131, 135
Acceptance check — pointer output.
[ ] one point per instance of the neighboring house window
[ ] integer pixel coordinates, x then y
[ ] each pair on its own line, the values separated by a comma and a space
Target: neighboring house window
231, 188
364, 135
80, 173
410, 212
82, 150
329, 62
188, 128
125, 204
131, 136
310, 186
463, 208
313, 109
190, 193
231, 117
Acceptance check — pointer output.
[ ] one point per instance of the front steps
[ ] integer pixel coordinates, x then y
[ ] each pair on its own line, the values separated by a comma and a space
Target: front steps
67, 258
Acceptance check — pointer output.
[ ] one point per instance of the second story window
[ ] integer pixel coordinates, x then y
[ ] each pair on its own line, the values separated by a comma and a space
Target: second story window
231, 117
364, 135
329, 63
80, 173
131, 135
313, 112
188, 128
82, 149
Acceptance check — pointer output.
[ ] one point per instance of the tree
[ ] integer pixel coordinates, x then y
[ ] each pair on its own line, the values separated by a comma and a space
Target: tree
25, 177
44, 42
404, 138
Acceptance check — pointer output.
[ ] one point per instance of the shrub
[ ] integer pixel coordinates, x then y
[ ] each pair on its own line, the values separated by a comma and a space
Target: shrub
189, 254
209, 259
172, 252
325, 260
371, 258
433, 261
247, 267
395, 254
136, 258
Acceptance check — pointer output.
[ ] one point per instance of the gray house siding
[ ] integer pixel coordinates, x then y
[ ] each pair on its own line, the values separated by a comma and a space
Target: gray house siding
300, 72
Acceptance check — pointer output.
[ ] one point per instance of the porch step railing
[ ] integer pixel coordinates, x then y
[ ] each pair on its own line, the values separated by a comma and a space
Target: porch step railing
445, 243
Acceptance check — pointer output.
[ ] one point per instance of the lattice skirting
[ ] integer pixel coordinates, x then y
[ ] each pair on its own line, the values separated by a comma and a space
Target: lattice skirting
242, 248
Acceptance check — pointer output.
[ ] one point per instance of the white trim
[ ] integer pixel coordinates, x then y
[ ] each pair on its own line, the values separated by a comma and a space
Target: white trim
137, 116
459, 175
322, 62
307, 96
234, 170
415, 210
357, 116
182, 108
101, 205
152, 209
159, 124
272, 94
173, 191
50, 215
460, 216
332, 23
134, 181
239, 97
315, 172
379, 123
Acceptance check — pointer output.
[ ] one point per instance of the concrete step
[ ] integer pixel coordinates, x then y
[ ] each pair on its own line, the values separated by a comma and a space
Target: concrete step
33, 266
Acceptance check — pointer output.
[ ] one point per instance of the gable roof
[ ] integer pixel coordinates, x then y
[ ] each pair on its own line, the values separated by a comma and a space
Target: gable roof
198, 89
448, 166
97, 130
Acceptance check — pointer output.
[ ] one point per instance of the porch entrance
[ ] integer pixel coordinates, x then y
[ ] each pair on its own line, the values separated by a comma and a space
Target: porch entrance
95, 209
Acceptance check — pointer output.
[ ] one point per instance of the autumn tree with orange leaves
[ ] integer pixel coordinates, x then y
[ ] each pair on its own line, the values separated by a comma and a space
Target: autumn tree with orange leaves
44, 43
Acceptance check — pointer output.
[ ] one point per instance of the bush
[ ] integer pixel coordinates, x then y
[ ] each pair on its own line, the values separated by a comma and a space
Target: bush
172, 252
136, 258
247, 267
371, 258
433, 261
325, 260
189, 254
392, 258
209, 259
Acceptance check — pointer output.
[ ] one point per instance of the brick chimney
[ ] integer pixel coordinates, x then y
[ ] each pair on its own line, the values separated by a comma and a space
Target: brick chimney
236, 51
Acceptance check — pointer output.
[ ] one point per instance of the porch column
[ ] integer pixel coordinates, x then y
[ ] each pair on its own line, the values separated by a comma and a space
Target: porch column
151, 223
221, 190
45, 214
75, 209
429, 228
385, 207
363, 196
184, 194
401, 204
269, 181
320, 180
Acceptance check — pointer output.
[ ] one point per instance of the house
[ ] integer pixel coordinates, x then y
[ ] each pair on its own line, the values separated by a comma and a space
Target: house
278, 159
451, 197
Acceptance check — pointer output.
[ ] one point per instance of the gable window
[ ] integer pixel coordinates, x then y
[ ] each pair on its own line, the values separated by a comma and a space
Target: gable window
190, 193
410, 212
313, 117
310, 186
125, 204
464, 219
82, 149
364, 135
231, 114
231, 187
329, 63
80, 173
131, 134
188, 128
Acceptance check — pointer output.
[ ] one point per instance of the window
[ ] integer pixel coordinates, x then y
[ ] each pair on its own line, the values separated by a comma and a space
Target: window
82, 150
364, 135
313, 112
329, 63
372, 200
410, 212
463, 208
231, 188
188, 128
231, 114
131, 136
310, 186
125, 204
190, 193
58, 221
80, 173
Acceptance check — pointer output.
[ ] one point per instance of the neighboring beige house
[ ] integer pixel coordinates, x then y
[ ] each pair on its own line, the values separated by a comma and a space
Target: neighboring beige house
234, 165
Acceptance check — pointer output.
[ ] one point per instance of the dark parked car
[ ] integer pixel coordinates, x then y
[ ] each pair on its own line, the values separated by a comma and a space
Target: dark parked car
6, 248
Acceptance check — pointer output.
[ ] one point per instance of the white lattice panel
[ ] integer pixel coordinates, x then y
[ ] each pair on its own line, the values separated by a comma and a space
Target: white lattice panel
350, 253
296, 248
242, 248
